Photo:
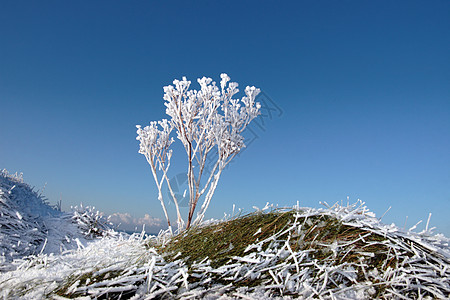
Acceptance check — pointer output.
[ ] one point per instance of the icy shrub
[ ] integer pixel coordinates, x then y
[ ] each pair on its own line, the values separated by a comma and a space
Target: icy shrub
91, 222
206, 121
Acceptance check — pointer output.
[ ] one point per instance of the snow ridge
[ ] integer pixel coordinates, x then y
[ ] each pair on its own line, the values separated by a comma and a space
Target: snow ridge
22, 227
30, 226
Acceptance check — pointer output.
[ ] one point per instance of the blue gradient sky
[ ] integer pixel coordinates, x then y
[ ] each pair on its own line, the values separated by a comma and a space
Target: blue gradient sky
364, 87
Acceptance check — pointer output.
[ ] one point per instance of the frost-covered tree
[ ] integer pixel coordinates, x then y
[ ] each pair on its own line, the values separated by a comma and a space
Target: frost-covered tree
203, 120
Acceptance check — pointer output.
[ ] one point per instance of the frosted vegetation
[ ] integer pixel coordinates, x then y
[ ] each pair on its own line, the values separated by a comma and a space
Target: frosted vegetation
205, 121
337, 252
30, 226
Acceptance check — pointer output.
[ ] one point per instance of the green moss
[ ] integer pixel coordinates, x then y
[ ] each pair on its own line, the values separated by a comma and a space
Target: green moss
220, 242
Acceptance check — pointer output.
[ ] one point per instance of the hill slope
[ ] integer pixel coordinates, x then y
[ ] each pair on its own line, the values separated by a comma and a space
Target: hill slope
339, 252
29, 225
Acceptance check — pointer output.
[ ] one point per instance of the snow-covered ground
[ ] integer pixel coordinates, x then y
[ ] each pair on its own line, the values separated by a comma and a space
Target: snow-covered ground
30, 226
48, 254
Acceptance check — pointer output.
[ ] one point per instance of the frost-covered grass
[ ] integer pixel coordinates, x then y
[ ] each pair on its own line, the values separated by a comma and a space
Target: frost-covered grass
30, 226
338, 252
90, 269
20, 233
334, 253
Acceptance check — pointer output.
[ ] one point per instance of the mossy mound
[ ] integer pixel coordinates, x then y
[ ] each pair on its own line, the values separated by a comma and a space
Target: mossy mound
324, 240
333, 253
222, 241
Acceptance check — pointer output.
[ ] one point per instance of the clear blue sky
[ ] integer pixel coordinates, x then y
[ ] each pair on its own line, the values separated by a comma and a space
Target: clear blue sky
364, 87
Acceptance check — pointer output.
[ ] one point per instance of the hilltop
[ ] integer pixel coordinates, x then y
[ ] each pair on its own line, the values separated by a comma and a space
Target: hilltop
337, 252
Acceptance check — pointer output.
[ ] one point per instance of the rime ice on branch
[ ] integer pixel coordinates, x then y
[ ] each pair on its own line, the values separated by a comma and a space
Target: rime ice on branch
203, 119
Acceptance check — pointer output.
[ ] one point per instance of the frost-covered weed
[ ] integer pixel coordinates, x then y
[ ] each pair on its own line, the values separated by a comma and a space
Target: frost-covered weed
207, 121
91, 222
